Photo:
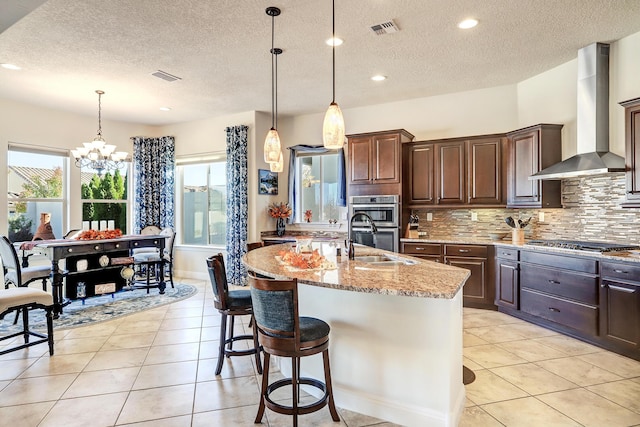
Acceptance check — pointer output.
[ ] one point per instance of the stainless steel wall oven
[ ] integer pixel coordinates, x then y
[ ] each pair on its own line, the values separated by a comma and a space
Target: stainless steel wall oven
385, 213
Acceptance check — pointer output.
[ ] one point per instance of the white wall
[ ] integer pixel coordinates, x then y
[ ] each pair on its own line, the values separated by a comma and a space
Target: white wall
551, 97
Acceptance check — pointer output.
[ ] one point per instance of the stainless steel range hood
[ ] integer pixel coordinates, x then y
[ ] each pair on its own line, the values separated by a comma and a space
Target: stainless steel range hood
593, 155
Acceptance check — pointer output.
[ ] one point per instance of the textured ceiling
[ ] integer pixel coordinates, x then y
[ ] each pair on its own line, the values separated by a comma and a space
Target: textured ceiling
67, 49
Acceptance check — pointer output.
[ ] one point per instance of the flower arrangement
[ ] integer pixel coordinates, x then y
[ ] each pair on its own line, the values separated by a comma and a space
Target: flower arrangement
100, 235
279, 210
308, 214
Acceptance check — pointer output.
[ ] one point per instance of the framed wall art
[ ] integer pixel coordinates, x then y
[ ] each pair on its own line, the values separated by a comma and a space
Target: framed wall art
267, 182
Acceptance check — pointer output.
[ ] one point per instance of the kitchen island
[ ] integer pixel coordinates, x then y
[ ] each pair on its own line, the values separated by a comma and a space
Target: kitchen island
396, 331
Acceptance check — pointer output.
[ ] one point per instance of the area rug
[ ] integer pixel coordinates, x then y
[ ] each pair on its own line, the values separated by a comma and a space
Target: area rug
101, 308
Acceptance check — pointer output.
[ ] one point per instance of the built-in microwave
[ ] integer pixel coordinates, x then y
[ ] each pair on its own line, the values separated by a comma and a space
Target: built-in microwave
383, 210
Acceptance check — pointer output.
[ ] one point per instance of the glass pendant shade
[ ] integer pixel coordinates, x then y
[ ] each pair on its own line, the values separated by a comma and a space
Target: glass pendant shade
272, 146
278, 166
333, 128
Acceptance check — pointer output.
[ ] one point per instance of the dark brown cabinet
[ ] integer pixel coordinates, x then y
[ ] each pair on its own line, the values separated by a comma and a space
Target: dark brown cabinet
428, 251
620, 306
375, 162
507, 278
450, 173
456, 172
531, 150
486, 171
632, 151
478, 291
560, 289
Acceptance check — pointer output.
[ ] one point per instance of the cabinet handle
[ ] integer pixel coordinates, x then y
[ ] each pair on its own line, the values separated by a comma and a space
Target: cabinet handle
621, 271
463, 251
96, 247
419, 249
621, 289
554, 282
555, 310
506, 253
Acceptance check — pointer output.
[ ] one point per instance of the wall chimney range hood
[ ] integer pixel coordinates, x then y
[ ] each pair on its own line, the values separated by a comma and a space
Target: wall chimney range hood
593, 155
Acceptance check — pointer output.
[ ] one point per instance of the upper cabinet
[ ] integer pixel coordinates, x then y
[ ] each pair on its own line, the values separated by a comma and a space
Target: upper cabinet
375, 165
632, 150
533, 149
456, 172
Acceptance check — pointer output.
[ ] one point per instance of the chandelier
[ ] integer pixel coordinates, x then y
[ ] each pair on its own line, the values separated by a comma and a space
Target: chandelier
97, 154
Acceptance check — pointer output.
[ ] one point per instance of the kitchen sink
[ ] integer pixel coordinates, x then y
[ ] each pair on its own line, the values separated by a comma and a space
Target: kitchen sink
384, 260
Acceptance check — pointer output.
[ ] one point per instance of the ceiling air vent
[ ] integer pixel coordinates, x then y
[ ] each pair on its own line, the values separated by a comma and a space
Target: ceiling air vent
165, 76
385, 28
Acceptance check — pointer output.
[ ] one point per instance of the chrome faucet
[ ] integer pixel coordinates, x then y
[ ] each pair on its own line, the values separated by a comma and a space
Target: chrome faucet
372, 226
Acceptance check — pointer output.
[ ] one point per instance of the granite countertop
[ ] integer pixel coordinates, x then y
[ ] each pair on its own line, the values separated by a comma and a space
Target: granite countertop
622, 256
424, 279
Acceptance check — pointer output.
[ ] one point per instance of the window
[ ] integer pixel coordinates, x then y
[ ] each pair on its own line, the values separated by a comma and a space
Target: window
318, 187
104, 199
36, 184
204, 201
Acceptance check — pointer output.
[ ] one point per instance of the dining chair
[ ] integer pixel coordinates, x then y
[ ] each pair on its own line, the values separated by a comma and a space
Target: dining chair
150, 261
25, 299
17, 275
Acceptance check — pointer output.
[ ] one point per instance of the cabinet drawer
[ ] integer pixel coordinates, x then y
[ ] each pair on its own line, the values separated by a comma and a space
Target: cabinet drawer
505, 253
578, 316
421, 248
585, 265
579, 287
625, 272
466, 250
114, 246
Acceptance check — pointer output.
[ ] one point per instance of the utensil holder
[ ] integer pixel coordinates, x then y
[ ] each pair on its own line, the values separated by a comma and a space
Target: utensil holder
517, 236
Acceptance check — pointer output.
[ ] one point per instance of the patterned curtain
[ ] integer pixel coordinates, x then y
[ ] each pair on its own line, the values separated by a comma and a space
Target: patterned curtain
293, 185
237, 205
153, 182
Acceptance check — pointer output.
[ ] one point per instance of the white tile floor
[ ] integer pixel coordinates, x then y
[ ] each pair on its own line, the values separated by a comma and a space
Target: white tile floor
156, 368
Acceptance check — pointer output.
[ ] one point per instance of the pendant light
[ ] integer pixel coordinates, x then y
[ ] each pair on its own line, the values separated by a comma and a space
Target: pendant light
333, 126
278, 166
272, 147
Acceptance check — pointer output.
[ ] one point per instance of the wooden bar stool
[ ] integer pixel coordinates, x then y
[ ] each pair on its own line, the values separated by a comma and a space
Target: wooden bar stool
282, 332
231, 303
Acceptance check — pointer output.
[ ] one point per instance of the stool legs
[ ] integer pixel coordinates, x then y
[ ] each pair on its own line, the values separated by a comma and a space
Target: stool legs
223, 339
295, 388
327, 381
50, 329
263, 390
228, 352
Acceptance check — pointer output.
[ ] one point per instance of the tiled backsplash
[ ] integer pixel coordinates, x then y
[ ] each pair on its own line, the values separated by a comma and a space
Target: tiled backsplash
591, 211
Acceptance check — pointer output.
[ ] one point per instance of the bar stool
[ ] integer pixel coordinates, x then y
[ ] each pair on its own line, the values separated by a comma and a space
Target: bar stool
282, 332
231, 303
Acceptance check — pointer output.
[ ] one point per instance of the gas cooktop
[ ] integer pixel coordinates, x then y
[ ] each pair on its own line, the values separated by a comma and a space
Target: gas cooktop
583, 246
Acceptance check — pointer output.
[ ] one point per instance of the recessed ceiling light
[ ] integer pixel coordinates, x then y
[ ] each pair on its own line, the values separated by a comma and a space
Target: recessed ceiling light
10, 67
165, 109
378, 78
337, 40
468, 23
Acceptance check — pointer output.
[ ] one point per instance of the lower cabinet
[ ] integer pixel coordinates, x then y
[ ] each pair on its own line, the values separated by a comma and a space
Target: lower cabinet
86, 278
595, 300
620, 305
478, 291
507, 278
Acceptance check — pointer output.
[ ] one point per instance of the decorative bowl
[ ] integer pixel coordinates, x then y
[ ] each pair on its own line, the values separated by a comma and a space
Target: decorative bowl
498, 236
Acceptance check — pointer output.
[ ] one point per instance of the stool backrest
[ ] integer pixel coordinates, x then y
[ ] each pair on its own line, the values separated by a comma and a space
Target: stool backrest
218, 276
254, 245
10, 258
275, 308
